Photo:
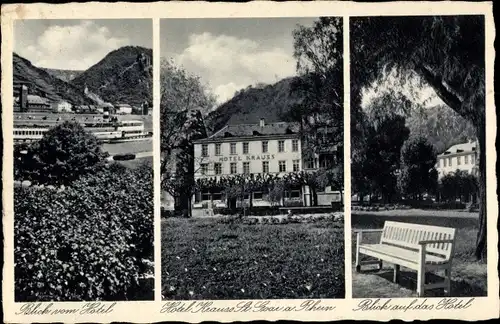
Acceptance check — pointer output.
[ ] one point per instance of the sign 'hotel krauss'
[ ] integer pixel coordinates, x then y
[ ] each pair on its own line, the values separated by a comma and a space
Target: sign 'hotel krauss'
247, 158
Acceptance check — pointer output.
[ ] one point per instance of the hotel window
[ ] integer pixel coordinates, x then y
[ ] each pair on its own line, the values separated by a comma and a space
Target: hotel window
233, 148
449, 161
472, 159
265, 167
205, 195
217, 149
444, 162
204, 150
466, 159
204, 168
282, 166
296, 165
218, 168
265, 146
310, 164
245, 148
281, 146
257, 195
234, 168
295, 145
246, 167
459, 160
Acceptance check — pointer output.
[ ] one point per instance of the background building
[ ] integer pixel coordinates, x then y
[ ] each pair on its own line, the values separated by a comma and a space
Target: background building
461, 157
61, 106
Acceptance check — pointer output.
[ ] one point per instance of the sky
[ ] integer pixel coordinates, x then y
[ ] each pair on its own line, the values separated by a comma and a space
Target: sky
232, 53
77, 44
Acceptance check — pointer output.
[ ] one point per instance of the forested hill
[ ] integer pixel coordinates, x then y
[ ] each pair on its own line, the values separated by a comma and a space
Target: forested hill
442, 126
124, 75
249, 105
46, 85
65, 75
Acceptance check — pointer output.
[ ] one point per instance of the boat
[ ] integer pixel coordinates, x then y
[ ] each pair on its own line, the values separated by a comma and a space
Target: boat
28, 130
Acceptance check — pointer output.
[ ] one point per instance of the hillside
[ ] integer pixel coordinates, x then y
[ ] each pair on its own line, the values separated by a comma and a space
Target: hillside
124, 75
65, 75
44, 84
248, 106
442, 126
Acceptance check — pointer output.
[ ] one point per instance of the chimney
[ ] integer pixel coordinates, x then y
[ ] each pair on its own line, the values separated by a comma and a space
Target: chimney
262, 123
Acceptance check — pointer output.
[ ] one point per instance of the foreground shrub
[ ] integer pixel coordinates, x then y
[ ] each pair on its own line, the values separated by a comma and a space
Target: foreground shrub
65, 153
86, 242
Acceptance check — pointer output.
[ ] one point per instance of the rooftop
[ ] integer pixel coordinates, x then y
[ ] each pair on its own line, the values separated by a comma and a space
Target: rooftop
459, 148
34, 99
245, 130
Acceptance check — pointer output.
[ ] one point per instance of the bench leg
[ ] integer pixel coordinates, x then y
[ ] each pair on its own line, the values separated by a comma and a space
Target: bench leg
358, 256
420, 283
421, 271
447, 282
395, 278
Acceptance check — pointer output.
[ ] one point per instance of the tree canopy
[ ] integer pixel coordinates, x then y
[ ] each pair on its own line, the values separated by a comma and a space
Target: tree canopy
184, 101
319, 54
64, 153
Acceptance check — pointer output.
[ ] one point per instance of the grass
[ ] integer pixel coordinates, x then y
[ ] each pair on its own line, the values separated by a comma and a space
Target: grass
469, 277
204, 259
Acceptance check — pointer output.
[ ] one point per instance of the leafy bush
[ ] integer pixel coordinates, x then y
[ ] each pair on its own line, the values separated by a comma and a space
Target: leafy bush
86, 242
65, 153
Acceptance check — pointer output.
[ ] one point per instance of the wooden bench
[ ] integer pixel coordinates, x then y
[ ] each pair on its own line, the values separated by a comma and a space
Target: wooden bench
419, 247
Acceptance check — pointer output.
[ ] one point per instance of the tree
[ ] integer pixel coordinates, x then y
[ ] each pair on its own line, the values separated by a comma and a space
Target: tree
377, 162
64, 153
418, 173
445, 53
458, 184
319, 54
184, 100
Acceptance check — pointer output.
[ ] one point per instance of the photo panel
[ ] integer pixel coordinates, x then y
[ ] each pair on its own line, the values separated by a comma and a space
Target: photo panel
418, 156
83, 160
252, 160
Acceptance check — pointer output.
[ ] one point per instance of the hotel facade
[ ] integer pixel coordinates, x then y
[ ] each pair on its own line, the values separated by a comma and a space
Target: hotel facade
461, 157
255, 149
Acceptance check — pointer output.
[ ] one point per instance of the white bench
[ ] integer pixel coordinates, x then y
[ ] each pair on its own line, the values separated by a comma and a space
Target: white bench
419, 247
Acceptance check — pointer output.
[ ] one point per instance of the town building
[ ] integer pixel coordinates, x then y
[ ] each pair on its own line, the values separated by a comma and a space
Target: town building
21, 96
61, 106
38, 104
461, 157
252, 149
123, 109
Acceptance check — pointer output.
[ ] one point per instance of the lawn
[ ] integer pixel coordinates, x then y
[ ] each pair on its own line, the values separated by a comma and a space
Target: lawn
205, 259
468, 275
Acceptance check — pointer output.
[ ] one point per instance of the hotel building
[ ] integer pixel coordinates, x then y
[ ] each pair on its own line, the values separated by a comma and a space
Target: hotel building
274, 148
461, 157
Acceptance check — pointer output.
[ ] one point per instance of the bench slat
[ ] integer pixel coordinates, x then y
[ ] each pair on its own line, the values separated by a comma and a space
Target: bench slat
408, 235
400, 253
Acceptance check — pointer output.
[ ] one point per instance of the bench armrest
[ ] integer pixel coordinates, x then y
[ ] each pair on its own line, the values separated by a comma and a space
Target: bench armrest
434, 241
368, 230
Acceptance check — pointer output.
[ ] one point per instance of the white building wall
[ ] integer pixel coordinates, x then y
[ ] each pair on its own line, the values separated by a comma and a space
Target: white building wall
456, 162
255, 157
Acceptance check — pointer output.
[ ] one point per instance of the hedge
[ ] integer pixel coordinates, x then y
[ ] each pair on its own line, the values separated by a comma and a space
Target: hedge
86, 242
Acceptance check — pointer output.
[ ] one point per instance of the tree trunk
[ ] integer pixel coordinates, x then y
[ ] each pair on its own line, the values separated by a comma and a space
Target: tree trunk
481, 235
